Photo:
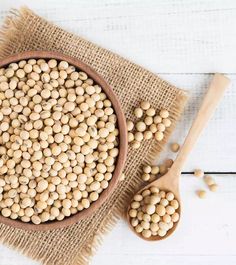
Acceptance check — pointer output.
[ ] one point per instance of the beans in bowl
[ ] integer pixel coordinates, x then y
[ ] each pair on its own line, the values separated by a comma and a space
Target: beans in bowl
59, 140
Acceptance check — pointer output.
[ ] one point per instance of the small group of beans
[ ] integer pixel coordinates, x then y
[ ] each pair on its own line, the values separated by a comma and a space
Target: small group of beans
199, 174
58, 140
153, 212
150, 172
210, 182
149, 123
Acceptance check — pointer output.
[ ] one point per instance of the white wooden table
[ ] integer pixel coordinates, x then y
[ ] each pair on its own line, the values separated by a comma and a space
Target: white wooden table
184, 41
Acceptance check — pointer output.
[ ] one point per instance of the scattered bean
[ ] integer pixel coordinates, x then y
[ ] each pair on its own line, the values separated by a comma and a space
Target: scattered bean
213, 187
198, 173
201, 194
174, 147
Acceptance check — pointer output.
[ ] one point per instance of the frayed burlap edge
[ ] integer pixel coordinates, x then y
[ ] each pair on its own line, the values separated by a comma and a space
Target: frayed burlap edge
11, 31
11, 28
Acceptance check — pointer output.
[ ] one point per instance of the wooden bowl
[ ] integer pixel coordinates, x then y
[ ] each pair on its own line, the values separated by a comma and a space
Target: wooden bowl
123, 144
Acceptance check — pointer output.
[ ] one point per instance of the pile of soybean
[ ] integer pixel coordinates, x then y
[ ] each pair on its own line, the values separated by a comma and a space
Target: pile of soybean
153, 212
58, 140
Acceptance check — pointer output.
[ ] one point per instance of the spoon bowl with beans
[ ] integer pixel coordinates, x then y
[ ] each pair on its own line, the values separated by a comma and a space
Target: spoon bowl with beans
155, 210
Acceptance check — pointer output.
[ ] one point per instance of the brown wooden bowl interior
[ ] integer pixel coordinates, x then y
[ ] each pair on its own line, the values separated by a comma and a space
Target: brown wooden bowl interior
123, 144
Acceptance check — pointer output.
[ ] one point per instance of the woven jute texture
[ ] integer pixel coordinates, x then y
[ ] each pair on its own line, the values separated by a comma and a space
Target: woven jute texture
23, 31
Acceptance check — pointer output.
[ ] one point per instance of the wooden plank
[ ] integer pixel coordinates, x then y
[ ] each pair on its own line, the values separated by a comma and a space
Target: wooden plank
166, 37
12, 257
206, 234
207, 227
163, 259
216, 147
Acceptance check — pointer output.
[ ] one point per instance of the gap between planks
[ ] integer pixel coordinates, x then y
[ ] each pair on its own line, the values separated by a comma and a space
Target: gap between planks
182, 73
211, 172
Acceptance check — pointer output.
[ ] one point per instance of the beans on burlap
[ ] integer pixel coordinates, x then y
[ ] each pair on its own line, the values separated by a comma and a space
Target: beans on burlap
23, 31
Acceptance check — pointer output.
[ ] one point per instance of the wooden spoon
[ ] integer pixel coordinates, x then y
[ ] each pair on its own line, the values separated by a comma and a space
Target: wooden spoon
170, 181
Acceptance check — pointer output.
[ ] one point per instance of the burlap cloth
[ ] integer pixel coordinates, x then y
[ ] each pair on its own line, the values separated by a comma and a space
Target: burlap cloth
22, 31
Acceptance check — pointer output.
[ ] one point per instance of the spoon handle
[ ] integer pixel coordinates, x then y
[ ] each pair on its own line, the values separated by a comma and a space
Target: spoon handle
215, 92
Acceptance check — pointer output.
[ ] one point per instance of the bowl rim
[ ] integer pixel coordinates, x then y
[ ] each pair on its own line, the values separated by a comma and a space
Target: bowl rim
123, 142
